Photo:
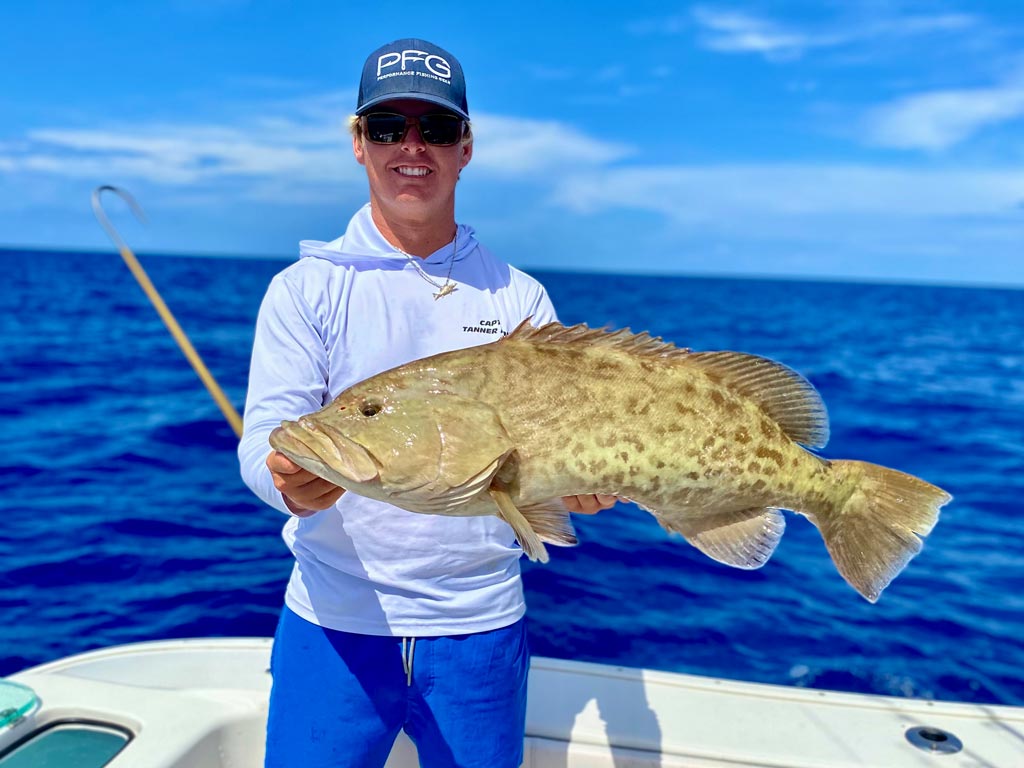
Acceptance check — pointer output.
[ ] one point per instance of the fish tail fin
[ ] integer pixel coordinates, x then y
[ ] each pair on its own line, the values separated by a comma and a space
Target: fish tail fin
877, 528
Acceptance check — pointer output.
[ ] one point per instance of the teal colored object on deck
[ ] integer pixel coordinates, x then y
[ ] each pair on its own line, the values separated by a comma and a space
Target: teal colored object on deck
62, 745
67, 745
16, 701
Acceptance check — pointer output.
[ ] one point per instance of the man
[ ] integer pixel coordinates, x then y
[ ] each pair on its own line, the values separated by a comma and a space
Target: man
392, 619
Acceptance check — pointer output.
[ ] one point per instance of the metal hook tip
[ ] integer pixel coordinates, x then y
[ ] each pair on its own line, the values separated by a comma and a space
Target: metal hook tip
97, 204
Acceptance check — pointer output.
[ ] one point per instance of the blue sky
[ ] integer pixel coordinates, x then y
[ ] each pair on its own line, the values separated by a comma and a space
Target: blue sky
875, 140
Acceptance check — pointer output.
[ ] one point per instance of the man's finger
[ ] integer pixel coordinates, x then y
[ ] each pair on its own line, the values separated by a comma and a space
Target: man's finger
302, 484
328, 499
317, 487
588, 503
278, 462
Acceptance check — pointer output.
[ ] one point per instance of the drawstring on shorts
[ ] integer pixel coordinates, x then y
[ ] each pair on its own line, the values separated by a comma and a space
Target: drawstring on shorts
407, 654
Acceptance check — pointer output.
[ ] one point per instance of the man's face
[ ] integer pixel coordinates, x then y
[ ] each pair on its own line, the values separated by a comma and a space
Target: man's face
411, 179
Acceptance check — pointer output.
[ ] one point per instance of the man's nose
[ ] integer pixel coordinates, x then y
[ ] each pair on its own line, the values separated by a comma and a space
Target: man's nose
412, 139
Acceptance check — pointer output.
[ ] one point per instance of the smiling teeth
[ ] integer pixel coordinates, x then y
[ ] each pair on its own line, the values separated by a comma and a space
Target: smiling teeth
405, 171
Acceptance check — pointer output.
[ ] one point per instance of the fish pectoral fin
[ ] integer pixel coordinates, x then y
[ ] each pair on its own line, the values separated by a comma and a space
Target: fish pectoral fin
473, 442
528, 538
742, 538
442, 499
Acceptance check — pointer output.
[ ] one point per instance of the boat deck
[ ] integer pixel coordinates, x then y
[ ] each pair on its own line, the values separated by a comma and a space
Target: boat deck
202, 703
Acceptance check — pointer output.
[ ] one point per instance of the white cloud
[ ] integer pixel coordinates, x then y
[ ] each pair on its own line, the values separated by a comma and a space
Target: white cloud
730, 31
933, 120
515, 146
304, 157
738, 32
176, 155
859, 221
723, 195
289, 140
916, 25
941, 119
305, 151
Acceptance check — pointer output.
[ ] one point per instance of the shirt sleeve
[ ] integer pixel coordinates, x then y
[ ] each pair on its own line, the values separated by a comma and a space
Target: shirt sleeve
287, 379
540, 309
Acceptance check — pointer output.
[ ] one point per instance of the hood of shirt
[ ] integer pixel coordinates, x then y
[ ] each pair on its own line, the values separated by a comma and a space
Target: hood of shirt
363, 242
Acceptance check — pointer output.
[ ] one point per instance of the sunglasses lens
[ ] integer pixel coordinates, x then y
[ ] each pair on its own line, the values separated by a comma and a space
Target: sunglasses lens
389, 128
441, 130
385, 128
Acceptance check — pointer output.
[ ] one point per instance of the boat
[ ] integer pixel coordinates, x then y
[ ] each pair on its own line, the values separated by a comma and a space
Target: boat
202, 703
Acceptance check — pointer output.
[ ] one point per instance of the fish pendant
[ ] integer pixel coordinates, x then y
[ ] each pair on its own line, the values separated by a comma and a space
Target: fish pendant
446, 289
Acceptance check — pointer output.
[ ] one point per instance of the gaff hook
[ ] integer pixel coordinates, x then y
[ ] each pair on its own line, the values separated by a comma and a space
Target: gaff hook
158, 303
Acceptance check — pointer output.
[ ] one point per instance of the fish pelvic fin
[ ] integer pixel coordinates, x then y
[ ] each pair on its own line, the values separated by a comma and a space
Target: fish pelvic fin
878, 528
528, 538
552, 522
742, 538
784, 395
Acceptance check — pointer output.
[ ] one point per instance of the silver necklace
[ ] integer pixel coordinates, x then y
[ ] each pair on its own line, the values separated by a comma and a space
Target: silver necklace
443, 289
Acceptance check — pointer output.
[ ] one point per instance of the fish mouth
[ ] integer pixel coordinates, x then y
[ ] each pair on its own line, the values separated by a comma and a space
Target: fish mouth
325, 452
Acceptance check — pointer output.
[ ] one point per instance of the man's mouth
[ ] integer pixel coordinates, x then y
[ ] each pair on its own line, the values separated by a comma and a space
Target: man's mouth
409, 170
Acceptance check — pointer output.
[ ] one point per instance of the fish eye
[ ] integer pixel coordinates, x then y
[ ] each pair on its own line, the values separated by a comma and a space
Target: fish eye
370, 409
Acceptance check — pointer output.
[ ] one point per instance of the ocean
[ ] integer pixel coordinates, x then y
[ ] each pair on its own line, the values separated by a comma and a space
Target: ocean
124, 518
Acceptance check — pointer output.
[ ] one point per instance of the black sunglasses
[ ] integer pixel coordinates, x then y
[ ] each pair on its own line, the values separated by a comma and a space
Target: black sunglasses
440, 130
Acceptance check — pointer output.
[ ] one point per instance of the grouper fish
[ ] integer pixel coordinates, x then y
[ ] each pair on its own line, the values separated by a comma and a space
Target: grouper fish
710, 443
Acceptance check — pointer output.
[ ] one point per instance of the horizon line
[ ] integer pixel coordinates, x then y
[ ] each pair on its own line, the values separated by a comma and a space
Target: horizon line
597, 270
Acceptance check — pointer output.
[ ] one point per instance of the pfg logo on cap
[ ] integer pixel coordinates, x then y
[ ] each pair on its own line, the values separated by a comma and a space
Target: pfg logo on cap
412, 68
407, 62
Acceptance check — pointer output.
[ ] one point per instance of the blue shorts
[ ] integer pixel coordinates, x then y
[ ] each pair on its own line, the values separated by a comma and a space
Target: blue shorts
340, 699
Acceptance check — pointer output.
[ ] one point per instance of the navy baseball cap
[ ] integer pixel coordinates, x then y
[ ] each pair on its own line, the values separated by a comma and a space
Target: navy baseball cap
413, 69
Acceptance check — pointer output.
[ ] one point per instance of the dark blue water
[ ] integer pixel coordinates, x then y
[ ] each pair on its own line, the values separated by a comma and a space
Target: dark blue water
124, 519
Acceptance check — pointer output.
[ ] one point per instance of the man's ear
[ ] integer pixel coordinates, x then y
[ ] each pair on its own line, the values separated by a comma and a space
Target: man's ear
357, 149
467, 154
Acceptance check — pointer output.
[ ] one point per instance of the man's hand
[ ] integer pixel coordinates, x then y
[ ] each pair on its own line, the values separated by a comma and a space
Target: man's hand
590, 503
304, 493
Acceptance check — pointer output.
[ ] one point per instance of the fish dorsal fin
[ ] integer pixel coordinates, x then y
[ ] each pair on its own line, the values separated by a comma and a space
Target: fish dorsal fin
784, 395
642, 344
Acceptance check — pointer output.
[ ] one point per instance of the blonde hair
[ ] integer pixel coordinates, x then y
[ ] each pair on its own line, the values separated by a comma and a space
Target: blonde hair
355, 127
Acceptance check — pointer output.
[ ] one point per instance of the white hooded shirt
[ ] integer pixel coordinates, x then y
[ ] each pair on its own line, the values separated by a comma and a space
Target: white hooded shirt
347, 310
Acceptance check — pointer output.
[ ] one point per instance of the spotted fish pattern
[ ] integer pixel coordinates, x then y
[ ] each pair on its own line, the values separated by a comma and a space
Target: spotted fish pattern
713, 444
